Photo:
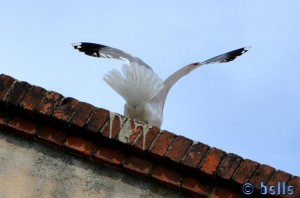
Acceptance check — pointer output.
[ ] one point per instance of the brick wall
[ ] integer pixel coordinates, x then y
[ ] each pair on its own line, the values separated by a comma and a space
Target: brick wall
107, 138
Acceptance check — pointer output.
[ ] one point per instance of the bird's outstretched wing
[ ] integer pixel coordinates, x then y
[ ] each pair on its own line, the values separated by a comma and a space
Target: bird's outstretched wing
102, 51
172, 79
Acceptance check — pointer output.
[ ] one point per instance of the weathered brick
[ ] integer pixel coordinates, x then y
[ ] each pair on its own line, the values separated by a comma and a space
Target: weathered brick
245, 171
49, 103
22, 126
82, 113
136, 128
16, 93
262, 174
195, 155
5, 83
113, 126
228, 166
52, 136
107, 155
97, 120
80, 146
64, 110
138, 166
221, 192
146, 138
279, 176
162, 144
211, 162
196, 187
166, 176
295, 183
32, 98
178, 149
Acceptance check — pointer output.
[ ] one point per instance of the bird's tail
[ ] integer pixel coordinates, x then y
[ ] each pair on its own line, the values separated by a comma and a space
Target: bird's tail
138, 84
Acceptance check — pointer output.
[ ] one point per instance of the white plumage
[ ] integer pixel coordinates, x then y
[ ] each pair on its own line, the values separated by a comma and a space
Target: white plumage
144, 92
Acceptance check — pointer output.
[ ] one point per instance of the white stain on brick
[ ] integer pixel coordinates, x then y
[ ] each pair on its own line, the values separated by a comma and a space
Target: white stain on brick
125, 131
111, 120
145, 131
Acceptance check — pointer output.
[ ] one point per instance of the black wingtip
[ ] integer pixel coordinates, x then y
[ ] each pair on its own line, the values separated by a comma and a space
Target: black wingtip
235, 53
91, 49
227, 57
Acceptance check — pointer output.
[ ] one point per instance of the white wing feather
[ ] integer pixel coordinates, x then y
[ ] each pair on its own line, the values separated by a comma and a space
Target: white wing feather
138, 84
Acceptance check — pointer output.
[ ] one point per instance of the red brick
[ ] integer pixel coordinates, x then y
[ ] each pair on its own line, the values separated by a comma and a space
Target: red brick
221, 192
295, 183
97, 120
148, 136
82, 113
32, 98
228, 166
80, 146
5, 83
279, 176
196, 187
162, 144
52, 136
211, 162
106, 155
245, 171
138, 165
195, 155
64, 110
16, 93
262, 174
166, 176
22, 126
136, 129
178, 149
49, 103
113, 126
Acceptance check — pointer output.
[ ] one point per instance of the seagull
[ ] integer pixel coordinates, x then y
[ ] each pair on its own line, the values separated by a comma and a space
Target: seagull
144, 92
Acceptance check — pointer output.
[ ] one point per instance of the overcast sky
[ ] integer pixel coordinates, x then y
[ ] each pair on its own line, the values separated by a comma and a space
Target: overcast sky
250, 107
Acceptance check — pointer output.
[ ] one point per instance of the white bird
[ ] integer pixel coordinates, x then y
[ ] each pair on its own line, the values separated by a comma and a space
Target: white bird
144, 92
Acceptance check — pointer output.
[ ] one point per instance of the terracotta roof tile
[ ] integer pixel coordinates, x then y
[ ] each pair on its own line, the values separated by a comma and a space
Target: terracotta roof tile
138, 166
146, 138
113, 125
97, 120
22, 126
211, 162
196, 186
161, 145
195, 154
245, 171
52, 136
262, 174
108, 155
32, 98
65, 109
49, 102
80, 146
167, 176
178, 149
16, 93
5, 84
81, 114
228, 166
